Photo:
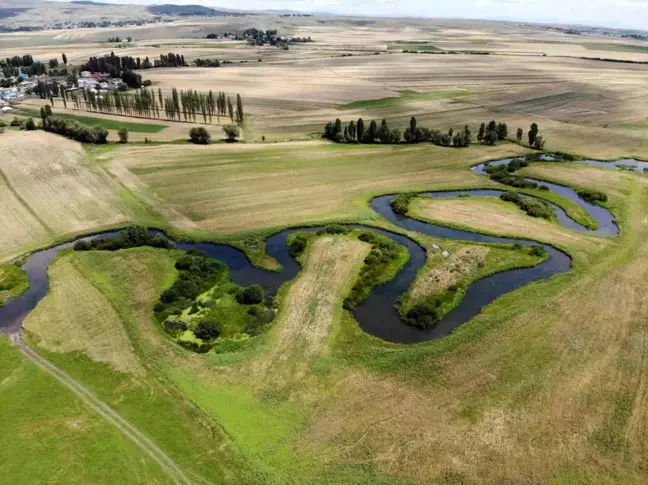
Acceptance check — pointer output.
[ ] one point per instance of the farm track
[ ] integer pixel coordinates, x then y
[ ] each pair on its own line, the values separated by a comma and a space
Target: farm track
170, 467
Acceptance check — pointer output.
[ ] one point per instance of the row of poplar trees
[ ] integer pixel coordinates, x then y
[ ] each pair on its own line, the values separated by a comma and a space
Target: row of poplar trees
145, 103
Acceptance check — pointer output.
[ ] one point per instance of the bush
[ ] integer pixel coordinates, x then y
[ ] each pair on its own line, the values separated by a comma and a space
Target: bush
82, 246
593, 196
424, 314
297, 245
232, 132
75, 130
400, 203
29, 125
199, 135
3, 123
123, 135
336, 229
207, 329
251, 295
537, 250
533, 207
16, 121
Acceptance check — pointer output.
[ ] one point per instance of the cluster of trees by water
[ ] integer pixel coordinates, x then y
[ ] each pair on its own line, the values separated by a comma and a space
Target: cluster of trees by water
180, 105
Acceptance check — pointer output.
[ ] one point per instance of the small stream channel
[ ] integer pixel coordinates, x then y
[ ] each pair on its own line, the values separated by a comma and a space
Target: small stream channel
377, 315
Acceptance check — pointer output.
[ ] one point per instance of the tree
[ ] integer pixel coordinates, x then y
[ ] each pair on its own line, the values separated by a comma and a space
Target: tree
533, 133
539, 142
199, 135
491, 137
207, 329
482, 132
492, 126
251, 295
352, 130
53, 63
30, 125
502, 131
239, 109
519, 134
450, 132
64, 57
372, 132
360, 129
232, 132
395, 136
384, 135
230, 109
467, 135
123, 135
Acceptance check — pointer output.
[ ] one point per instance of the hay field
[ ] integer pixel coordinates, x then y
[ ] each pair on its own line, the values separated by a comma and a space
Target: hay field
494, 216
312, 306
92, 329
275, 185
52, 189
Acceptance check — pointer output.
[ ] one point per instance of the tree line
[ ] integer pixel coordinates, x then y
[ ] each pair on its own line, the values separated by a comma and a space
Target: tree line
358, 132
489, 134
180, 105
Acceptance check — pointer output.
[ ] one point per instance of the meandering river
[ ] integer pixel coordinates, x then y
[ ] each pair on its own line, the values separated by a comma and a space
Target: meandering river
377, 315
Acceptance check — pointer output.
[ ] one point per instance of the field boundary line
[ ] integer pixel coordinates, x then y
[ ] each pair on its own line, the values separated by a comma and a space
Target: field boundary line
170, 467
24, 203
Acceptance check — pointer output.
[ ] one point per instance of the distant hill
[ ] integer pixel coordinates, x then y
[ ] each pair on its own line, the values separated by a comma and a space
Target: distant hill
191, 10
6, 13
90, 2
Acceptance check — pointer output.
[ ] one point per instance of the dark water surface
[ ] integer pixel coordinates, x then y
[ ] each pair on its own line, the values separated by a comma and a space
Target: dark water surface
377, 315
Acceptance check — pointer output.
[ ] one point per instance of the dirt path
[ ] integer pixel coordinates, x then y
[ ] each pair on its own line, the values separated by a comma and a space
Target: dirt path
160, 457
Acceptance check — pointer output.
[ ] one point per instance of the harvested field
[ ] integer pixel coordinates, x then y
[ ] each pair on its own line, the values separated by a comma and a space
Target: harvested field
280, 184
313, 304
53, 190
77, 317
496, 217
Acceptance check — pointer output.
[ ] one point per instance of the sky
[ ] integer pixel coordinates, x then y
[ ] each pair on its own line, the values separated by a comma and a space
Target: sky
610, 13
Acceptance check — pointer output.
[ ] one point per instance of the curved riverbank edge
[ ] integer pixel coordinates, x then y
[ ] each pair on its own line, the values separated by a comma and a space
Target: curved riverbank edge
378, 314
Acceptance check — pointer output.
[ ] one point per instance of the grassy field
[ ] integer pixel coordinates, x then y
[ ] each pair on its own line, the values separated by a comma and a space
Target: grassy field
62, 440
106, 123
207, 188
107, 354
536, 367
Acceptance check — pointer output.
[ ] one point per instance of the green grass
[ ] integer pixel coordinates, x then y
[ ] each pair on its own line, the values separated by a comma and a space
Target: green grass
403, 98
47, 434
13, 281
105, 122
596, 46
191, 439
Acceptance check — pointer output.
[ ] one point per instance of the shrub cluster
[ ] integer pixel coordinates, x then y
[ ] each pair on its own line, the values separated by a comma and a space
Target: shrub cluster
297, 245
252, 295
131, 237
383, 252
593, 195
533, 207
428, 312
197, 273
199, 135
400, 203
75, 130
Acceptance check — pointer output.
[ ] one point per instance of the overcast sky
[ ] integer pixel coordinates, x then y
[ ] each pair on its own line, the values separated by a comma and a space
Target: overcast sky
612, 13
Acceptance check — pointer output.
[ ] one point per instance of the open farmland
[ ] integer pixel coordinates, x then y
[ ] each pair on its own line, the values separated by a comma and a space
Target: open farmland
52, 189
399, 338
284, 184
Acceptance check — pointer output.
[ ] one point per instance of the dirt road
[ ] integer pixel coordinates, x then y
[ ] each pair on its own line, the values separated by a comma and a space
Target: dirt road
171, 468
